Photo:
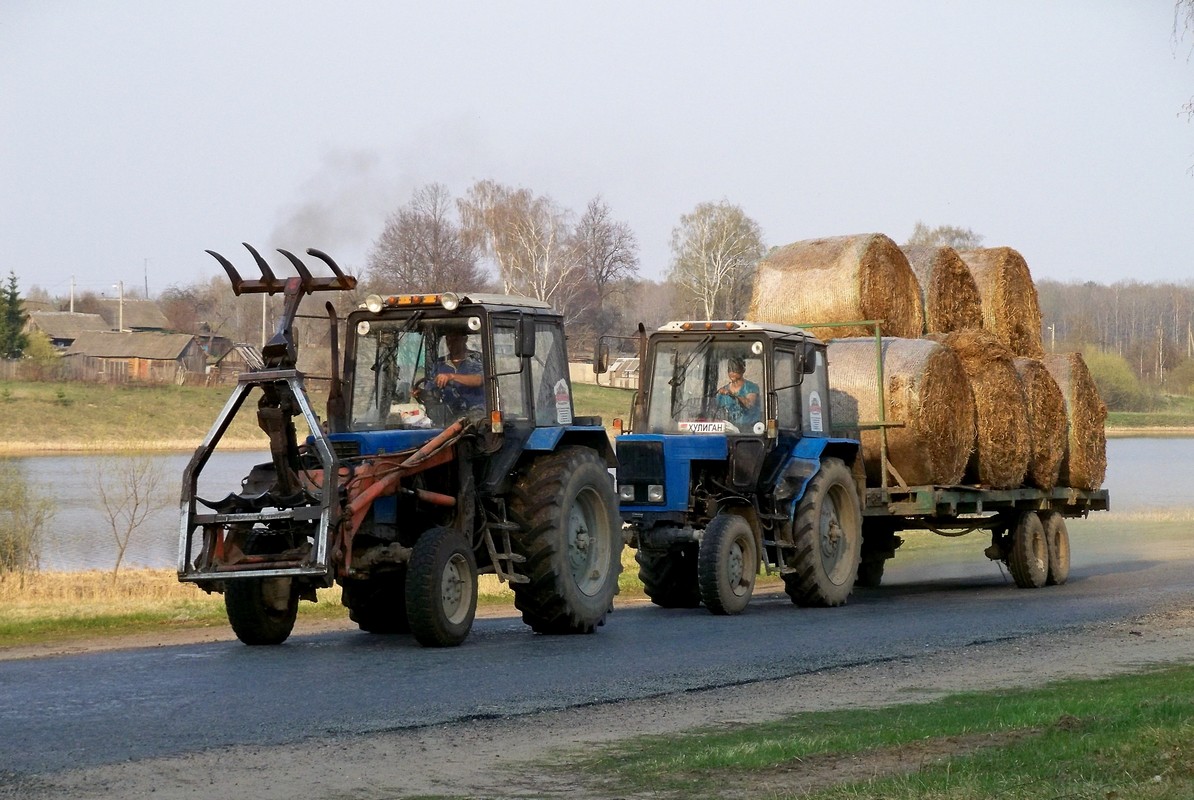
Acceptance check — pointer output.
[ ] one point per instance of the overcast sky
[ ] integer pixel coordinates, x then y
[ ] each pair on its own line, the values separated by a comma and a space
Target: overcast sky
135, 135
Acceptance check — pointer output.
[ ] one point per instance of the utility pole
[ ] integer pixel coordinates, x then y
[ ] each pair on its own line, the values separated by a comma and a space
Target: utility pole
72, 294
120, 286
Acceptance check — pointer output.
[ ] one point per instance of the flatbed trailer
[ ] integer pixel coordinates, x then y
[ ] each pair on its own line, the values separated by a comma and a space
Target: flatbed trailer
1027, 525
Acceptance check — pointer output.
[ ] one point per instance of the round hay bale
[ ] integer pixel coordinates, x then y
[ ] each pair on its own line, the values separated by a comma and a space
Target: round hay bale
1085, 462
1011, 309
947, 289
1046, 422
925, 388
1001, 446
839, 279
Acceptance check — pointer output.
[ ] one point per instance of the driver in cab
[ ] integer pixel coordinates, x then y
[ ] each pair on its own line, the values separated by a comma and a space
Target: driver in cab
457, 376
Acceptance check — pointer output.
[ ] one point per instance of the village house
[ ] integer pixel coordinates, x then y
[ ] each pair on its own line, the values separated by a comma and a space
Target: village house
146, 357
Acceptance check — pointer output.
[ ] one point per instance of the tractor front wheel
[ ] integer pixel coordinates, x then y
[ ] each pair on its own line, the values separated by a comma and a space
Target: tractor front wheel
441, 588
378, 604
727, 564
261, 611
670, 576
571, 537
827, 531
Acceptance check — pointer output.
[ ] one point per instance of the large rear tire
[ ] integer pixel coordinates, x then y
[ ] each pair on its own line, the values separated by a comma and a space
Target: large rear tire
670, 576
571, 537
441, 588
727, 565
1057, 544
1028, 560
378, 605
827, 532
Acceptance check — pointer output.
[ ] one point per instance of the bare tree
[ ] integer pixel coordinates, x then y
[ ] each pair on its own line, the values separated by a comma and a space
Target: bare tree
715, 252
24, 514
422, 248
127, 492
943, 236
606, 252
528, 237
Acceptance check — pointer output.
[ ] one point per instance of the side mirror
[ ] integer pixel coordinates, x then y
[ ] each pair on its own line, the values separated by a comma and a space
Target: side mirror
808, 360
524, 338
601, 358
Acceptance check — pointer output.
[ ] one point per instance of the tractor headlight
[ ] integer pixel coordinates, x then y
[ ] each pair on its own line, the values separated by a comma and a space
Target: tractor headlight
655, 493
374, 303
626, 492
450, 301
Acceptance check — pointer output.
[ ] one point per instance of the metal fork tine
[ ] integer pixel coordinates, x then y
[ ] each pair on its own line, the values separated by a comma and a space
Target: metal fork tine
233, 275
303, 272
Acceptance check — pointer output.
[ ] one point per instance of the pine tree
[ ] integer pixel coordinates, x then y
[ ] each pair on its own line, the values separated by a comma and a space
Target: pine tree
12, 321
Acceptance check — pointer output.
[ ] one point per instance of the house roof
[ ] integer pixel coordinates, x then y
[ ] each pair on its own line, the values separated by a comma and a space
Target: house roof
114, 344
64, 324
143, 314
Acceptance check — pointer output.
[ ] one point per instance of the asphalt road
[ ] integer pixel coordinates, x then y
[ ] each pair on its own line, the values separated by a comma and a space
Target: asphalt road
107, 707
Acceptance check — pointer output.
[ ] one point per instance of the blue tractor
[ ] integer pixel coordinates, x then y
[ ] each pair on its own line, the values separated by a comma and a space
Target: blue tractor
449, 449
729, 464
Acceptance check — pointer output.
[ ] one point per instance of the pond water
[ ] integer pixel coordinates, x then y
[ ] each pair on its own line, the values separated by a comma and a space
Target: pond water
1143, 474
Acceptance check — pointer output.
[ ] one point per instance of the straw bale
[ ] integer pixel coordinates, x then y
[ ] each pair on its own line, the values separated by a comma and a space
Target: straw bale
1011, 309
947, 289
1085, 462
839, 279
1046, 422
1001, 446
925, 389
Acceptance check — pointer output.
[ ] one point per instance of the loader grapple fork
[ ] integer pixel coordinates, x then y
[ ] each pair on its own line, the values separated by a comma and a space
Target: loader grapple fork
292, 504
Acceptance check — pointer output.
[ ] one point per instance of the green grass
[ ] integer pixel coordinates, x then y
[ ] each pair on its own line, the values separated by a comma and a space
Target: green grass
1122, 737
1175, 411
602, 401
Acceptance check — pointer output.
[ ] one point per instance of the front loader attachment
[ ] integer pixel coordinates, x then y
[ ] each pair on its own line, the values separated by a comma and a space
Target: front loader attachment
282, 520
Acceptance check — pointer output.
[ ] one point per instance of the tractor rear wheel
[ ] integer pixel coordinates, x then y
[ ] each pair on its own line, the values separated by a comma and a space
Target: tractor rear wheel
670, 576
571, 537
827, 531
378, 604
728, 564
441, 588
261, 611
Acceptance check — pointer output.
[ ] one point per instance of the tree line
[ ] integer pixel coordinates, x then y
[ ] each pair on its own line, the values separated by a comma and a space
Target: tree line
502, 238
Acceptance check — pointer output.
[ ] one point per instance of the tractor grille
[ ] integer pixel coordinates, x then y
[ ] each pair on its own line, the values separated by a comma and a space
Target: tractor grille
640, 462
345, 449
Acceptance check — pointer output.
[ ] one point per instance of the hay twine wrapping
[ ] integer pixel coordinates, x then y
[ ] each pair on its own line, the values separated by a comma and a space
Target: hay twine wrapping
926, 389
1001, 443
1047, 426
1011, 309
1085, 462
948, 292
839, 279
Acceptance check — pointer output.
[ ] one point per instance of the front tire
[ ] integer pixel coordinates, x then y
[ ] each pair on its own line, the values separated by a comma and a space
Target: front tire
727, 564
670, 576
571, 538
378, 604
1057, 545
441, 588
827, 532
1028, 560
261, 611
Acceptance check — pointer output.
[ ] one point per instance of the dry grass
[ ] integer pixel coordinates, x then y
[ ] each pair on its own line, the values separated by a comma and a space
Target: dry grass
1047, 422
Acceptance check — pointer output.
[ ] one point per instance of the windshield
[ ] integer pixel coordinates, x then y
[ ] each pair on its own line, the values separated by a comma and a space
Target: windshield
705, 386
416, 373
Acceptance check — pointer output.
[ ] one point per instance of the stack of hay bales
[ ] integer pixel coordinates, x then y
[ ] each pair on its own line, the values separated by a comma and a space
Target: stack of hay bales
1020, 417
839, 279
925, 389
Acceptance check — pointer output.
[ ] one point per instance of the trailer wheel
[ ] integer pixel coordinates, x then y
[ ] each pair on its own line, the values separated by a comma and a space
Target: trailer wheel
378, 605
1057, 544
441, 588
670, 576
827, 532
570, 534
1028, 560
727, 564
261, 610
